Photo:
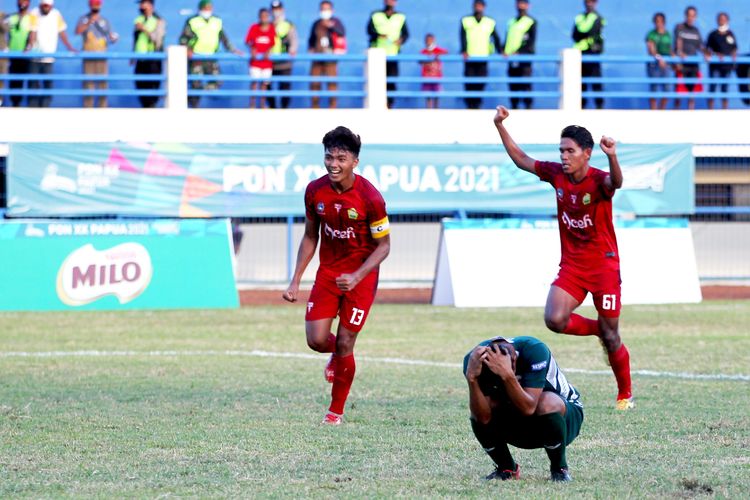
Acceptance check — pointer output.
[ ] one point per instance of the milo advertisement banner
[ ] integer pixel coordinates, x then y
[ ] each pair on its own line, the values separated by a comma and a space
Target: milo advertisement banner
113, 264
257, 180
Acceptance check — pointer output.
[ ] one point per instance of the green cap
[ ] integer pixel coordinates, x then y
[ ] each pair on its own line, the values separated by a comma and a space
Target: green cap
204, 3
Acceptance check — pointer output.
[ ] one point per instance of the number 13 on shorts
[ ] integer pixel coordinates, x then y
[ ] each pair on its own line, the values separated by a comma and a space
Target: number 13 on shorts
357, 316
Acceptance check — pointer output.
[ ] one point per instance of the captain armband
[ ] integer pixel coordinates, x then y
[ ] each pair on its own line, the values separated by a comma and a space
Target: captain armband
380, 228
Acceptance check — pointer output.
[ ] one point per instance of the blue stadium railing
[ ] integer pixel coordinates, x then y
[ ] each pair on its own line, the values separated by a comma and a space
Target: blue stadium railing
620, 88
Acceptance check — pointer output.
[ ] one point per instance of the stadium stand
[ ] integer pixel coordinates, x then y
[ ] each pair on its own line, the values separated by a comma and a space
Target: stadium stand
627, 25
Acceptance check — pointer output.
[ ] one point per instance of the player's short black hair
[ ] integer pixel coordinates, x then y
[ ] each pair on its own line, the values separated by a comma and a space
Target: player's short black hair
580, 135
343, 138
659, 14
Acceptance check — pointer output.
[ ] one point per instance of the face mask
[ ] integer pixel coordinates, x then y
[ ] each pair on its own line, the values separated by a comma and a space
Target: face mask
724, 28
326, 14
431, 46
279, 17
205, 14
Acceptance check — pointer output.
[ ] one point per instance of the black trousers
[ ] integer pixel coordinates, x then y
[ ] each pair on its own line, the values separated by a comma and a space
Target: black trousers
17, 67
283, 101
520, 70
592, 70
391, 69
147, 67
474, 69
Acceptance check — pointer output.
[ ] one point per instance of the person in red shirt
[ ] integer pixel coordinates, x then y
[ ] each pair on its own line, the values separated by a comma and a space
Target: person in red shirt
260, 39
590, 260
346, 213
432, 68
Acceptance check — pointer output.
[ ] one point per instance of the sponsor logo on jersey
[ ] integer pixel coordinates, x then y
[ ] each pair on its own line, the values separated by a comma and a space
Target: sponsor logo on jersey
339, 234
352, 213
577, 223
560, 194
320, 208
88, 274
380, 228
586, 199
539, 366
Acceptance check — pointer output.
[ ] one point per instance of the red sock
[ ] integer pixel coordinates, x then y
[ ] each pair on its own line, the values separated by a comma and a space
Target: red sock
620, 362
343, 369
578, 325
331, 344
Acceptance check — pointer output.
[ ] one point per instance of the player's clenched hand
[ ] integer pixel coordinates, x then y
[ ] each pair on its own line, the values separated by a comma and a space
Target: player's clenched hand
476, 361
290, 295
499, 361
347, 282
502, 114
608, 145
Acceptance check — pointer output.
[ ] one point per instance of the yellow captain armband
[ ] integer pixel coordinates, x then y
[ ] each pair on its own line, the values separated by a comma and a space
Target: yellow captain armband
380, 228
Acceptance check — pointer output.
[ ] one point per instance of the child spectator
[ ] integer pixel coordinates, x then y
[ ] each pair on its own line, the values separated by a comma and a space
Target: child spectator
260, 39
432, 69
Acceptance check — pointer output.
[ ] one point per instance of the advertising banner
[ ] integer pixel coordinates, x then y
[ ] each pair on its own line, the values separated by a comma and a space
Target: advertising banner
512, 262
255, 180
113, 265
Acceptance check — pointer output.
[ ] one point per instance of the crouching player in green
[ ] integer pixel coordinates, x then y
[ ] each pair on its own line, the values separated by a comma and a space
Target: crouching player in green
519, 396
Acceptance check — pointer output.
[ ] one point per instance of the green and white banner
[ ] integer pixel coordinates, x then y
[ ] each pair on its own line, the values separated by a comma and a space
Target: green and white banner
210, 180
114, 264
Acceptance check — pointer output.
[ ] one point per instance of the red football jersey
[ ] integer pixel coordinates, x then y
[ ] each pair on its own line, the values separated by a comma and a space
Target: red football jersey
350, 222
584, 215
262, 41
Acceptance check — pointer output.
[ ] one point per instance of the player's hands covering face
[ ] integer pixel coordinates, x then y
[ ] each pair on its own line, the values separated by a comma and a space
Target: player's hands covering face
499, 361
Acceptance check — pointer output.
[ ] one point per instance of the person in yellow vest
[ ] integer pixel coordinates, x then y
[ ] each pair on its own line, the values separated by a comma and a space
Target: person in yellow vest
19, 29
520, 39
587, 35
148, 37
387, 30
479, 38
3, 48
287, 42
202, 35
97, 35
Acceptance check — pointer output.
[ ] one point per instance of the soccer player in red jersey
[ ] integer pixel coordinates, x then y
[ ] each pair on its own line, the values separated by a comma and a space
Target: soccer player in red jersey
347, 214
590, 260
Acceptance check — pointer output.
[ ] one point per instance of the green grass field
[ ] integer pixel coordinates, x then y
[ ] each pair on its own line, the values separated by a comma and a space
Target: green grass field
156, 404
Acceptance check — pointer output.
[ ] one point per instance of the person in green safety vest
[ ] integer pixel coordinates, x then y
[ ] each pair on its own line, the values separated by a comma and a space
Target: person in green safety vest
479, 38
19, 29
202, 35
387, 30
520, 39
148, 37
3, 48
587, 35
287, 42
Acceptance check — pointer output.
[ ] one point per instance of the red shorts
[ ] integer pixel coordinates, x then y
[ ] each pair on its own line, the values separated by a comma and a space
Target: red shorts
604, 286
327, 301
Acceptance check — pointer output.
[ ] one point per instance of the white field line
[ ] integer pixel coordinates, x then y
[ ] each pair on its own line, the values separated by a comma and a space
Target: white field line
297, 355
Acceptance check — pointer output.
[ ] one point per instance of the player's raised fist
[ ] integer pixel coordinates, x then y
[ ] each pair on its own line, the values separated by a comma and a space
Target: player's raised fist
502, 114
608, 145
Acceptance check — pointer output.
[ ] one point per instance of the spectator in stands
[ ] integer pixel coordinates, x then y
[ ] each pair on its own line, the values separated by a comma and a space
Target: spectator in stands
19, 32
520, 39
260, 40
47, 25
327, 36
286, 42
478, 39
148, 38
432, 69
688, 43
588, 38
722, 43
3, 48
97, 35
387, 30
659, 46
202, 34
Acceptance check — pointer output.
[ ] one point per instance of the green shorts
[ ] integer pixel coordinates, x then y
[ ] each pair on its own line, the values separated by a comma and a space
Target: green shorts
573, 421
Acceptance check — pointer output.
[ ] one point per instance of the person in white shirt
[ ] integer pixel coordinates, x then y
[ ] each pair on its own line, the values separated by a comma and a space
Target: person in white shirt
47, 25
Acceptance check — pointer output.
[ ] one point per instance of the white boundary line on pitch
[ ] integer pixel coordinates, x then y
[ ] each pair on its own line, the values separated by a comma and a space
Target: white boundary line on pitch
396, 361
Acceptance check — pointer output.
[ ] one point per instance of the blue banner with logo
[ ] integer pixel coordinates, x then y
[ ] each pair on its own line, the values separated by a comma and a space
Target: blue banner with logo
113, 264
230, 180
